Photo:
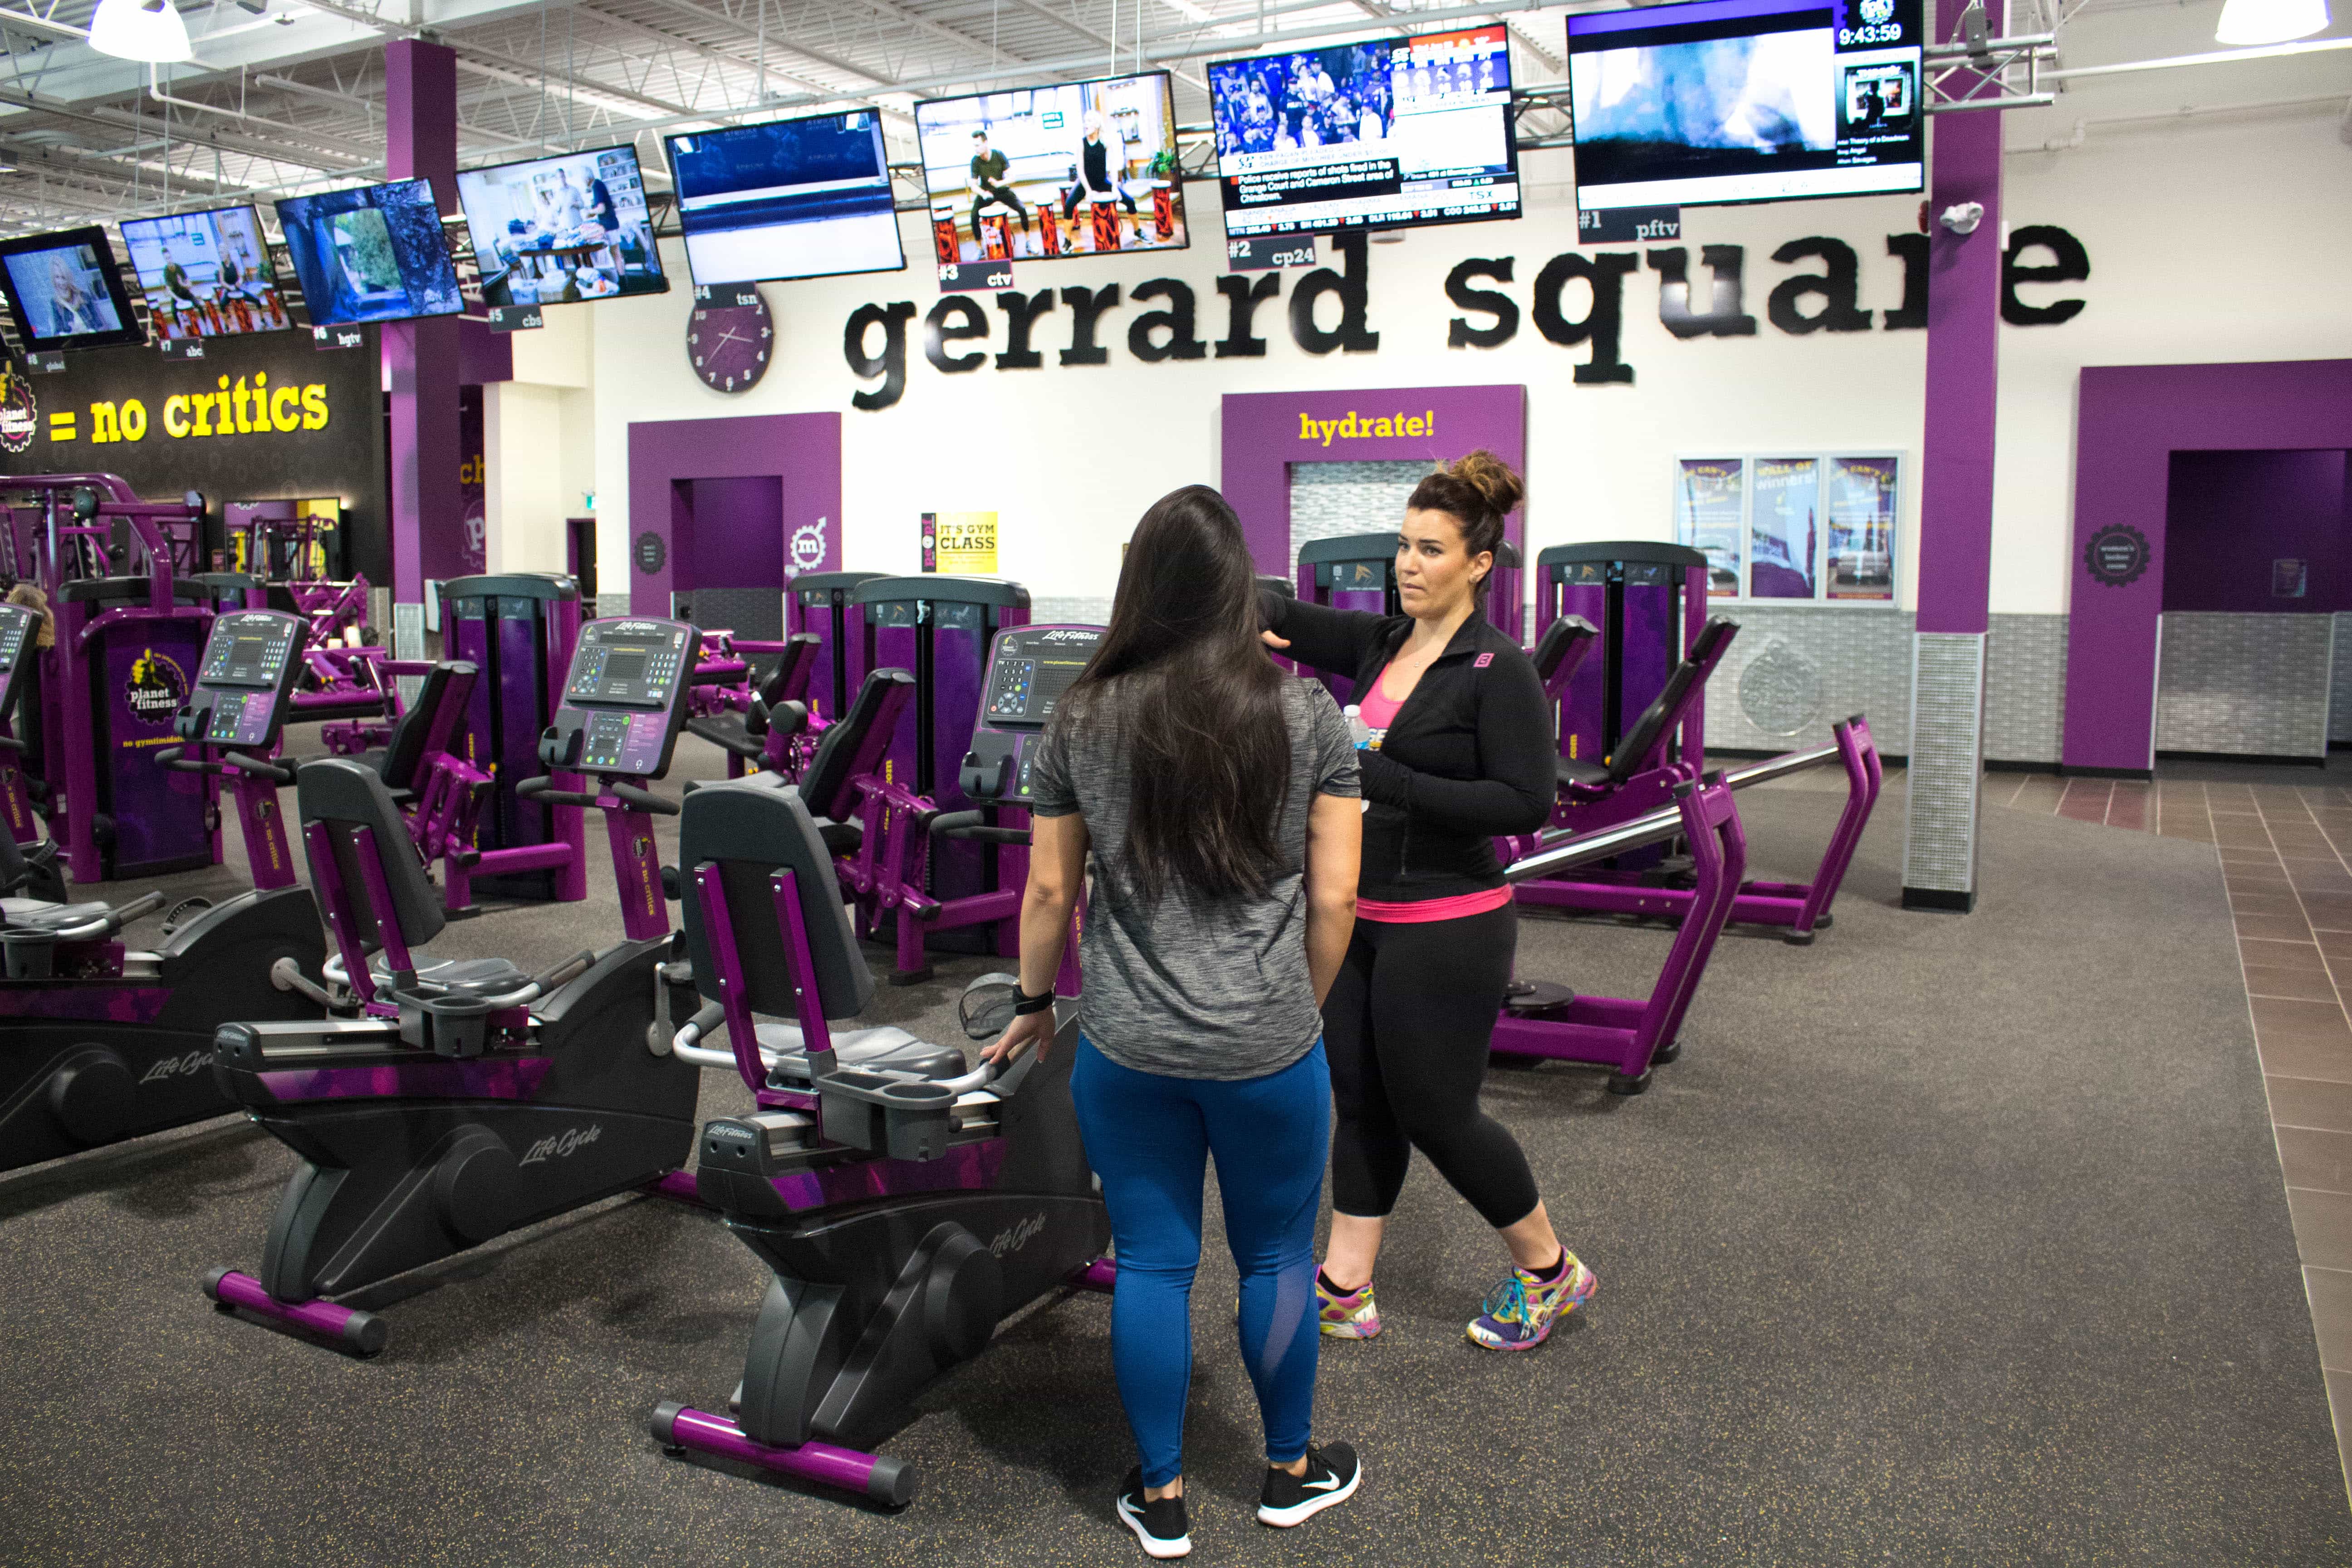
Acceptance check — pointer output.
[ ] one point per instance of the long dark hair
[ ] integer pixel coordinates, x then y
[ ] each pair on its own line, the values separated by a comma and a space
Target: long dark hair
1477, 492
1197, 704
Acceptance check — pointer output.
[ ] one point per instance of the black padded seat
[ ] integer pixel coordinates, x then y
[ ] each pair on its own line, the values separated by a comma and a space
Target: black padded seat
456, 977
885, 1046
1573, 771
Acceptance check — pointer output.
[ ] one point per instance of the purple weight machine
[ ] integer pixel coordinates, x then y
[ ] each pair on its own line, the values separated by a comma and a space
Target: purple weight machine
906, 1206
1650, 600
106, 1043
129, 624
517, 629
37, 874
822, 605
943, 628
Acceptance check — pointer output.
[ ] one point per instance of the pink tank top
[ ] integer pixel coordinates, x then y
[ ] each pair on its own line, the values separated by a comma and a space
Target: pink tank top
1379, 711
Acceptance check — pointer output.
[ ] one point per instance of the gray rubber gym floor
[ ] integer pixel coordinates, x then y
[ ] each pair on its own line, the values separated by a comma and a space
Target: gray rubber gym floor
1949, 1241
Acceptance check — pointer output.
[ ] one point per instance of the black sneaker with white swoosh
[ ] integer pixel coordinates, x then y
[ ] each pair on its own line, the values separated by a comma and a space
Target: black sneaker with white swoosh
1158, 1526
1331, 1477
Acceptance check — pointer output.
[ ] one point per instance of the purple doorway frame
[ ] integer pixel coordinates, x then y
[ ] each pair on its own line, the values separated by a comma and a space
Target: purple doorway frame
2129, 420
802, 451
1261, 440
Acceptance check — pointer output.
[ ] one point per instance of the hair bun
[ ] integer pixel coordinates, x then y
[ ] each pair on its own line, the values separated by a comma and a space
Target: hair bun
1491, 478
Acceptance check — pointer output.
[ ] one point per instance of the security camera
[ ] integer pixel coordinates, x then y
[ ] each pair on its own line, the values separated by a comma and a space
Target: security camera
1962, 217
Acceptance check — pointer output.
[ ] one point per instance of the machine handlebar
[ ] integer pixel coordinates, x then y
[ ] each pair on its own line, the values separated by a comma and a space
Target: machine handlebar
543, 788
175, 758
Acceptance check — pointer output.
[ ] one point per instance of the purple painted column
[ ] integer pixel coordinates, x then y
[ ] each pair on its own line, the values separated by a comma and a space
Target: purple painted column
1956, 485
421, 359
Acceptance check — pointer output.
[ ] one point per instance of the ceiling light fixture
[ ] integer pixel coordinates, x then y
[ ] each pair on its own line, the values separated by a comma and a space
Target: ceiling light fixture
148, 30
2270, 21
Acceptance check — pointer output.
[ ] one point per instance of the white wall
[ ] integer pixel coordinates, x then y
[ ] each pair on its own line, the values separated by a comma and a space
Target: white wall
2210, 238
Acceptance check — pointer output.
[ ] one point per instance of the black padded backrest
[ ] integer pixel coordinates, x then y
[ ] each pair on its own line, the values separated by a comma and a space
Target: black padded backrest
13, 872
1679, 691
750, 829
825, 786
404, 748
1562, 638
346, 796
130, 590
793, 664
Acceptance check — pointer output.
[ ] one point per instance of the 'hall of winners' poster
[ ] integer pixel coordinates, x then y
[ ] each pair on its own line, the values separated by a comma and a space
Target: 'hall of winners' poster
1709, 497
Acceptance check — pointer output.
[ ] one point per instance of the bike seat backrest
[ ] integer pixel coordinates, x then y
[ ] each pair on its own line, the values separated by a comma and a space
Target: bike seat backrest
129, 591
1561, 649
344, 795
750, 829
14, 870
404, 748
790, 678
1674, 700
841, 755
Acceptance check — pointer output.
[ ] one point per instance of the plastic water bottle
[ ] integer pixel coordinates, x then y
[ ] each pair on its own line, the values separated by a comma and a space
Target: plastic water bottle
1359, 732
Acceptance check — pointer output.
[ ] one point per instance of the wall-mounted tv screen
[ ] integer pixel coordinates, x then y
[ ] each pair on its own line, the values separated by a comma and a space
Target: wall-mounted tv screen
206, 274
1079, 168
1377, 135
375, 253
786, 198
555, 231
1745, 100
65, 291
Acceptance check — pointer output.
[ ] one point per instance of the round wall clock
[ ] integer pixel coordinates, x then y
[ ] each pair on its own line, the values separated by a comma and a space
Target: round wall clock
729, 345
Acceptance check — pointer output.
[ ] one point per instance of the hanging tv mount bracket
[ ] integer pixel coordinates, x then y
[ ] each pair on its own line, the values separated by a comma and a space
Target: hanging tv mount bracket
1976, 70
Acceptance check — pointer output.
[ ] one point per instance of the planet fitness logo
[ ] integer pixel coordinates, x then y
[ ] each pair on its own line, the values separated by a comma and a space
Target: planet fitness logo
19, 414
157, 689
808, 547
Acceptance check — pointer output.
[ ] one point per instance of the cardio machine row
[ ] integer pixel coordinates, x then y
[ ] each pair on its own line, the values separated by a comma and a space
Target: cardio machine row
445, 1103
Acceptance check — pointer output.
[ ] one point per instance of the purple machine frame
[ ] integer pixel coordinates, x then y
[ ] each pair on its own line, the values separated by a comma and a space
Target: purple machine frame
1624, 1034
822, 604
941, 629
129, 655
517, 630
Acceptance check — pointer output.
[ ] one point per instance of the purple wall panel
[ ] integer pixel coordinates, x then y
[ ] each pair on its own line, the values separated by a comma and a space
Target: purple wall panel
1963, 365
801, 450
2129, 420
2228, 515
739, 527
1265, 432
423, 359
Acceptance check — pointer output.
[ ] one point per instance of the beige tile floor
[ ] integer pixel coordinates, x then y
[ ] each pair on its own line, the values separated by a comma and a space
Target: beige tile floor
2287, 857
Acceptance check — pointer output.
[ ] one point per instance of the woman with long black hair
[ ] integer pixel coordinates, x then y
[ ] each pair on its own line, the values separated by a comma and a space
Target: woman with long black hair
1459, 750
1218, 796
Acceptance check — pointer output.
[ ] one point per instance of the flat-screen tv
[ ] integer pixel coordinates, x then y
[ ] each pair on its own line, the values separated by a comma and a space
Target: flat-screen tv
374, 254
555, 231
1379, 135
786, 198
1745, 100
1080, 168
65, 291
206, 274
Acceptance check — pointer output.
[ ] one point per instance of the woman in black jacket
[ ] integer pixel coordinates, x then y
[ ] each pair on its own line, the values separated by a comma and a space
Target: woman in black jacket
1460, 750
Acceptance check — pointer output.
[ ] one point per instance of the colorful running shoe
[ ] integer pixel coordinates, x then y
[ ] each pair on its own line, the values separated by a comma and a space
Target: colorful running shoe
1354, 1316
1517, 1314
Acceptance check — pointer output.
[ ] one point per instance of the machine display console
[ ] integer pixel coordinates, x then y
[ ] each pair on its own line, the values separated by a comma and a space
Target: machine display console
625, 699
635, 663
1028, 670
252, 659
19, 631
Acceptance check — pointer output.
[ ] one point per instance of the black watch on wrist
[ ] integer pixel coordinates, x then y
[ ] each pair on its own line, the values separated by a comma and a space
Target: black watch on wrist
1023, 1003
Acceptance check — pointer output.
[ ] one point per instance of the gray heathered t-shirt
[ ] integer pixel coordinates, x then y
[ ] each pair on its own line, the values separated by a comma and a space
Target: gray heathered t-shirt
1189, 989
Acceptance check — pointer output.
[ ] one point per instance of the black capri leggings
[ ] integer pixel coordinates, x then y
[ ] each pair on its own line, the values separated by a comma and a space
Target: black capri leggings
1406, 1028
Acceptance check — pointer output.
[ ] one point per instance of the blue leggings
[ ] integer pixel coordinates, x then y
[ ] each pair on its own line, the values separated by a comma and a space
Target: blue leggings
1149, 1138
